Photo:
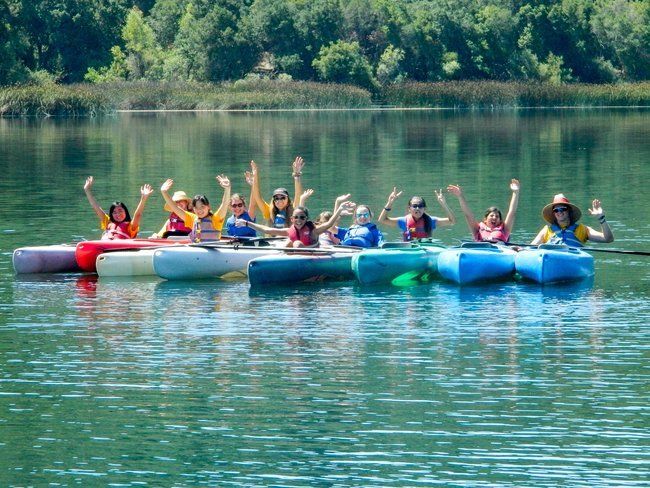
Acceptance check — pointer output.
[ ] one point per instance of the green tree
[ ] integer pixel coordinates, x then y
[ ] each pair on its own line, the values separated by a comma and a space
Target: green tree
343, 62
144, 57
12, 45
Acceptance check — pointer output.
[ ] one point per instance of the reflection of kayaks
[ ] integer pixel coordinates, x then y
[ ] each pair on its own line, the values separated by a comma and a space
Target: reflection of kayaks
475, 262
550, 263
396, 261
58, 258
196, 262
87, 251
302, 265
137, 262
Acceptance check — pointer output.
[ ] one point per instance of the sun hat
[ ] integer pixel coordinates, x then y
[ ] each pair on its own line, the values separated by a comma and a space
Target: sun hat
560, 200
178, 196
280, 191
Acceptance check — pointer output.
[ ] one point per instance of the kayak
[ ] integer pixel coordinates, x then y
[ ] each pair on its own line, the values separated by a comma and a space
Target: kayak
476, 262
552, 263
58, 258
200, 262
87, 251
137, 262
302, 265
395, 262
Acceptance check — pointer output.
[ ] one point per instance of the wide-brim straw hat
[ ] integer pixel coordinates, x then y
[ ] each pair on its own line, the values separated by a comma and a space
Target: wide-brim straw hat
560, 200
178, 196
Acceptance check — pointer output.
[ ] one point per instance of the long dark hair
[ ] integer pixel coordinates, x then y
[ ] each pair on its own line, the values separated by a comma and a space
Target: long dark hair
425, 216
493, 209
289, 211
126, 211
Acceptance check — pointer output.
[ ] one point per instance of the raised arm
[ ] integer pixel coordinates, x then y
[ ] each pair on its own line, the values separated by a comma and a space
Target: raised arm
255, 189
450, 219
164, 189
606, 234
320, 228
297, 166
224, 182
145, 193
89, 194
262, 228
469, 216
302, 200
252, 203
383, 216
509, 221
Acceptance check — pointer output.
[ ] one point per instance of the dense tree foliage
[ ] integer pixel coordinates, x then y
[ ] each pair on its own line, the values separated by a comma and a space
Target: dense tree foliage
365, 42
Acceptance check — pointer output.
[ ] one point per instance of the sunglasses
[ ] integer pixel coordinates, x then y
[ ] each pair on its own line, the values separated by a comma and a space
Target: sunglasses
279, 197
237, 205
560, 209
364, 215
418, 205
299, 217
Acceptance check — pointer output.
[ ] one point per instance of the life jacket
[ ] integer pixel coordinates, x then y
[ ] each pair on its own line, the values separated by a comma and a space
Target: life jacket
303, 235
233, 230
280, 220
415, 228
328, 239
203, 230
485, 233
565, 236
366, 235
177, 224
117, 231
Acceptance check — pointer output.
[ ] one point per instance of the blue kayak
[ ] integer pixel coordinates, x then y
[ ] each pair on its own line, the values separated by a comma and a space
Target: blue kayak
396, 262
551, 263
301, 265
475, 262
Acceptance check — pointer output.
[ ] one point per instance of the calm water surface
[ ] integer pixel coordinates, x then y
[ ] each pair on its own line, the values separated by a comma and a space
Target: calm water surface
152, 383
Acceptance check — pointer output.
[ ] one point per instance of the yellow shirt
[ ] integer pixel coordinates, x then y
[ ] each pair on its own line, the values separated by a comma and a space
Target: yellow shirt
132, 231
581, 233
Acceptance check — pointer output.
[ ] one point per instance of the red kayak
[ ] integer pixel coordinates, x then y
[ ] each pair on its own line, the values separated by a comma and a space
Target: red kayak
87, 251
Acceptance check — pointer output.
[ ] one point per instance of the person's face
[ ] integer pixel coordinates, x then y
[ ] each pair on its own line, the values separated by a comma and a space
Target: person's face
299, 219
183, 204
201, 209
362, 215
237, 206
562, 214
281, 201
119, 214
417, 208
492, 220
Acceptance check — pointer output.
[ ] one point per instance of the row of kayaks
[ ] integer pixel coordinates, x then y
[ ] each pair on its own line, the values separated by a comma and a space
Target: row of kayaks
265, 261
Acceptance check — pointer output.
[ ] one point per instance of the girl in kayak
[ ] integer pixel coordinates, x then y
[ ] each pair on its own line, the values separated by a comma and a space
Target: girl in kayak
563, 227
205, 225
175, 225
362, 233
417, 224
303, 232
493, 227
239, 209
278, 212
118, 224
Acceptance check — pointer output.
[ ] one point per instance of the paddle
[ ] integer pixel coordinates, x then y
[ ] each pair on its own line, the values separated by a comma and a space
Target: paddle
592, 249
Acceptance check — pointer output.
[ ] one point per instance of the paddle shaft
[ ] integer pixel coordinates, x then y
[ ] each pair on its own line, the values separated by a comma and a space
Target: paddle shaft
594, 249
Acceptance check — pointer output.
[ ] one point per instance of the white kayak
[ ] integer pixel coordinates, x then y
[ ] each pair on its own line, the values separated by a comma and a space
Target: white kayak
58, 258
209, 261
126, 263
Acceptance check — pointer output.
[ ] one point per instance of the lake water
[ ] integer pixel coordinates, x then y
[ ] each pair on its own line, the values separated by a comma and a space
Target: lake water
152, 383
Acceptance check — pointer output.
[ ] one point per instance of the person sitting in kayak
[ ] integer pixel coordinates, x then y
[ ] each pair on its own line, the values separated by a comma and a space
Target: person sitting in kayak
278, 212
493, 227
118, 224
175, 225
205, 225
303, 232
363, 233
239, 209
417, 224
563, 227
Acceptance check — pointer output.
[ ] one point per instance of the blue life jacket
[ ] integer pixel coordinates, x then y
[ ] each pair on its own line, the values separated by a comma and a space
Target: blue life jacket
280, 220
565, 236
366, 235
233, 230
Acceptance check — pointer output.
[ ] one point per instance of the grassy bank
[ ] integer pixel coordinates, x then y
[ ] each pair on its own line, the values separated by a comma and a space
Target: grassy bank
488, 94
87, 99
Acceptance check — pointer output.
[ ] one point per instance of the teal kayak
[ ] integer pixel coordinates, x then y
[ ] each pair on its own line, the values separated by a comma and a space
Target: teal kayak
475, 262
396, 262
301, 265
551, 263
